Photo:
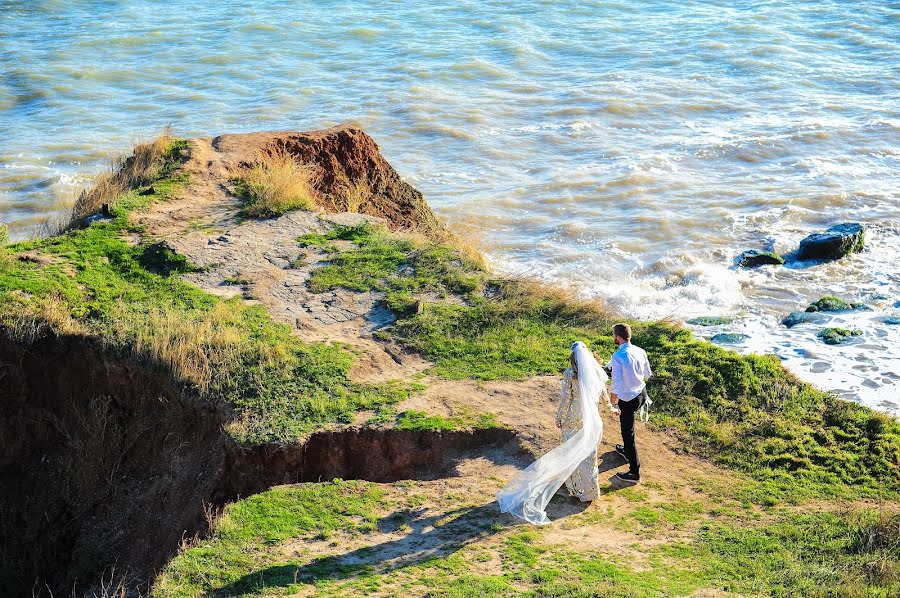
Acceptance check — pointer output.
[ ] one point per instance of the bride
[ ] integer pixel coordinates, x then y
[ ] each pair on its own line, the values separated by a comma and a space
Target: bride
575, 460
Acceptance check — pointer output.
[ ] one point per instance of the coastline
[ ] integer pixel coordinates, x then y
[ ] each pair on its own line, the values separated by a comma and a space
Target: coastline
385, 321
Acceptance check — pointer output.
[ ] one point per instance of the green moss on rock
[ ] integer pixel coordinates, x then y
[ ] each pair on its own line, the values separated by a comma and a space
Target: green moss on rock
832, 303
711, 320
753, 259
836, 336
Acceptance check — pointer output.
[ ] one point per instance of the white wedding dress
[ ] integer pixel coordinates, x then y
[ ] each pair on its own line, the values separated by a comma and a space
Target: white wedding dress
527, 495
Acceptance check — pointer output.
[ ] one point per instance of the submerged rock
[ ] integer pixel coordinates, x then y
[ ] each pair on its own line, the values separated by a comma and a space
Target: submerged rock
803, 317
711, 320
837, 336
729, 338
832, 303
753, 259
890, 320
834, 243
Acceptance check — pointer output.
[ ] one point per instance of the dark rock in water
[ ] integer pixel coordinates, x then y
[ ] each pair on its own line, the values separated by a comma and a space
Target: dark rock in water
729, 338
834, 243
711, 320
890, 320
753, 258
832, 303
803, 317
836, 336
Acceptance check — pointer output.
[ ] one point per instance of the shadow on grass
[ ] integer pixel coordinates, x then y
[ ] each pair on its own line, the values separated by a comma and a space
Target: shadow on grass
428, 536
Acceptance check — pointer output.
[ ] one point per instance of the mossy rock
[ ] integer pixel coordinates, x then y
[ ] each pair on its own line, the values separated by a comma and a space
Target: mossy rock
837, 336
729, 338
832, 303
834, 243
753, 259
711, 321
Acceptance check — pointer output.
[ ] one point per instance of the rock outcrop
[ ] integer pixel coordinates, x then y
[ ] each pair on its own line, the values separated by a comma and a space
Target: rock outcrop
834, 243
353, 175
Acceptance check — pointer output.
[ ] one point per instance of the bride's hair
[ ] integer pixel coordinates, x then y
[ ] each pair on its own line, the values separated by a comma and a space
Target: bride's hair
573, 363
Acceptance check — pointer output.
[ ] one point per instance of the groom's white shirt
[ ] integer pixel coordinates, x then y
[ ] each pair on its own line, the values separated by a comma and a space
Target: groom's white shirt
630, 370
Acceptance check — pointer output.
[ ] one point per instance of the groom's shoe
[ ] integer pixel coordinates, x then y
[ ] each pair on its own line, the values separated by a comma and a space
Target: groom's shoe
621, 450
628, 477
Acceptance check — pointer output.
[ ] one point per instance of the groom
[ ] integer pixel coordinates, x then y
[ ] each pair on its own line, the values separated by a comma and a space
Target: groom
630, 370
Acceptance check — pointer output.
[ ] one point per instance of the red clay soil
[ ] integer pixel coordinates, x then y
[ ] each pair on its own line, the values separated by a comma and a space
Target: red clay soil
346, 157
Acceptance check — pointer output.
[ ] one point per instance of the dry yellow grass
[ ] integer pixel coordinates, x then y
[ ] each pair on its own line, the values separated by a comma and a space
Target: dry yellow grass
524, 293
123, 174
28, 319
352, 195
193, 349
278, 184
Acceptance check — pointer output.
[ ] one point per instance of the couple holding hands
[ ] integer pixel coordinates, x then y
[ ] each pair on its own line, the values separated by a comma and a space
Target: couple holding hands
574, 461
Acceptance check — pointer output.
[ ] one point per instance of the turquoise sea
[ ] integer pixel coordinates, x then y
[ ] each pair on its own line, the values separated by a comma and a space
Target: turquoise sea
631, 149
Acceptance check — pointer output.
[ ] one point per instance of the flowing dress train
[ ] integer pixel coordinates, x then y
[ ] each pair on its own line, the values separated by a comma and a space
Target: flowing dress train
583, 483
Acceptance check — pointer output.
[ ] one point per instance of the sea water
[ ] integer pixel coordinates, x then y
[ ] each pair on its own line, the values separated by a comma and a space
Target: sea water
630, 149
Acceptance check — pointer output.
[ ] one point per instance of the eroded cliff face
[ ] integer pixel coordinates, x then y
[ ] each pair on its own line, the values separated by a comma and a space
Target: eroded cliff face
102, 462
106, 465
352, 171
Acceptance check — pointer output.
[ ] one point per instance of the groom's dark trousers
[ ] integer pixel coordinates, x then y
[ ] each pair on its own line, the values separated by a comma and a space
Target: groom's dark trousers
626, 420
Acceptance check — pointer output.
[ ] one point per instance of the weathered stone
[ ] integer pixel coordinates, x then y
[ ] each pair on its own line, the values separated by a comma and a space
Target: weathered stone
834, 243
837, 336
802, 317
729, 338
711, 320
890, 320
753, 259
832, 303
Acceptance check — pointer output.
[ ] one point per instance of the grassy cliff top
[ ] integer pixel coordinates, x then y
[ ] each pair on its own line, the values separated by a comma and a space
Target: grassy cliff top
770, 454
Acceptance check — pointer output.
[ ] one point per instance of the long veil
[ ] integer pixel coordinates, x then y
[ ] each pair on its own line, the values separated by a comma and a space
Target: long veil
527, 495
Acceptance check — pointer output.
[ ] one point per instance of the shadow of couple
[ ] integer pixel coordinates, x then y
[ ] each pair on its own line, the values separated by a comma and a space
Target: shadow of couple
426, 535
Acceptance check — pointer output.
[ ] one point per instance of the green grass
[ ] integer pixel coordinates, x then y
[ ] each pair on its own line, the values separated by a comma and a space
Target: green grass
249, 531
393, 264
417, 420
746, 412
225, 351
787, 554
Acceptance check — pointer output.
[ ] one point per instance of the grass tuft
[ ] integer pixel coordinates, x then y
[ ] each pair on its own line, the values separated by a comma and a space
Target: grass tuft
277, 184
144, 166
